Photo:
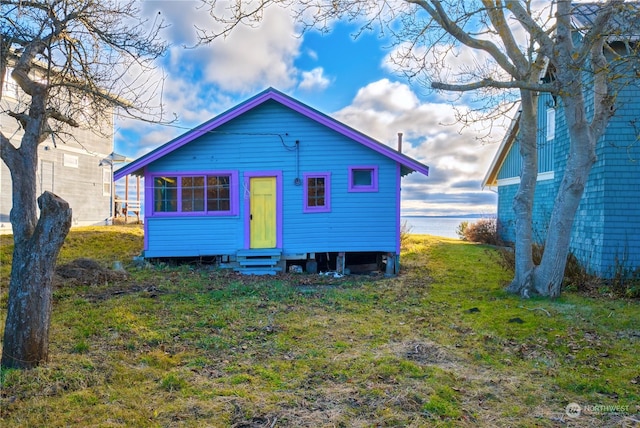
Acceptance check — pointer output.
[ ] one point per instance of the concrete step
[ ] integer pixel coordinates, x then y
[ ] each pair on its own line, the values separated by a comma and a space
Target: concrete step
259, 270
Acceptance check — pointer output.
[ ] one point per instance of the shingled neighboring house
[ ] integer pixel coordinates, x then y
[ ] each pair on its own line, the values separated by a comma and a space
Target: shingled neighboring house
78, 169
272, 182
606, 231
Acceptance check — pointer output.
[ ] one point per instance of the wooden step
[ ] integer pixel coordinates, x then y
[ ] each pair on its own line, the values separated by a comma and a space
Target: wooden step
258, 261
259, 252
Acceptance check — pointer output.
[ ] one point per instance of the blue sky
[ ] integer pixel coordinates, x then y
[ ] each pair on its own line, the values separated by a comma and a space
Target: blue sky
350, 80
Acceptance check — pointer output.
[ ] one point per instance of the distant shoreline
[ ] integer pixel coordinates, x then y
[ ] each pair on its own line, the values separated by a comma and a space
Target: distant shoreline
451, 216
444, 225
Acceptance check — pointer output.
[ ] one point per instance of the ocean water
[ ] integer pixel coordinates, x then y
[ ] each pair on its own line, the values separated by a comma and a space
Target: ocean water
437, 226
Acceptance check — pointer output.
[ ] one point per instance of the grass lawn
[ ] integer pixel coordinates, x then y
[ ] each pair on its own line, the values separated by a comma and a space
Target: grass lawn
440, 345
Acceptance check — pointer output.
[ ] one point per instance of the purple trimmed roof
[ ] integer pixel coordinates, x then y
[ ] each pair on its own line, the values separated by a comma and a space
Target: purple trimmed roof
409, 164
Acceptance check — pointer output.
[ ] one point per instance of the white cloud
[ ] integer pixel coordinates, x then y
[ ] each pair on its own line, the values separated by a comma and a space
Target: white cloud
249, 59
457, 160
314, 80
386, 95
203, 81
312, 54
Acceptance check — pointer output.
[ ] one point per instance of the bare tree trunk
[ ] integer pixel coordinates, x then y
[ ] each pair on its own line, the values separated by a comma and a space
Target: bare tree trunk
583, 136
523, 200
51, 67
26, 334
547, 279
37, 242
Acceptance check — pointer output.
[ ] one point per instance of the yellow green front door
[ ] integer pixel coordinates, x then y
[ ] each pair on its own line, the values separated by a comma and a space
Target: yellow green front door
262, 218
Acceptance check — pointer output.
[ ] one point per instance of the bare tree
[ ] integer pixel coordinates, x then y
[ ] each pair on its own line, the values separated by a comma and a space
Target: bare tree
514, 45
74, 62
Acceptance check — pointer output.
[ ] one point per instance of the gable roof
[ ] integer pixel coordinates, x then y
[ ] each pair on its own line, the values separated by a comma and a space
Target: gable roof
408, 164
491, 178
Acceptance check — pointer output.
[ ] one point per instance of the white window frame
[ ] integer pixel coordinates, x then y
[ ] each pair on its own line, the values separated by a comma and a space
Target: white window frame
551, 124
106, 182
70, 161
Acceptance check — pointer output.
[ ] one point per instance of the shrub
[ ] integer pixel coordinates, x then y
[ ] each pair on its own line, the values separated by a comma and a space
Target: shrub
405, 231
483, 231
462, 229
624, 283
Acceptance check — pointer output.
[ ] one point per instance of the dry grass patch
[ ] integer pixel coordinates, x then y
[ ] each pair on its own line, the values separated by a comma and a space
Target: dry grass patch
437, 346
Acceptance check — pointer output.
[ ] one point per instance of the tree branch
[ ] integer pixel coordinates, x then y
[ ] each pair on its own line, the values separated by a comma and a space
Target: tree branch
496, 15
55, 114
490, 83
524, 18
438, 13
8, 152
603, 101
598, 29
22, 118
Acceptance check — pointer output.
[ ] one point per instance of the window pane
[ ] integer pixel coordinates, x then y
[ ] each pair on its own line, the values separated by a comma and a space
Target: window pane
218, 193
551, 124
315, 192
165, 194
192, 194
362, 177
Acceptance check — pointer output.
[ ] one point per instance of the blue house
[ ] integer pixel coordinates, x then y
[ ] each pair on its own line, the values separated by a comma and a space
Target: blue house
273, 182
606, 232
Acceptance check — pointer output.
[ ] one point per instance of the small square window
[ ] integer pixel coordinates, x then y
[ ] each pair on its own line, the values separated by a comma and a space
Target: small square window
363, 179
317, 193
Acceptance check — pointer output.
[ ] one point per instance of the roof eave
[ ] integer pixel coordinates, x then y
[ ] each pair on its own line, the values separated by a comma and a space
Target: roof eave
270, 94
491, 178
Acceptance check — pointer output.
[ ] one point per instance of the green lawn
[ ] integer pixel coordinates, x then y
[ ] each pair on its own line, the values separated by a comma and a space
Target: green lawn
440, 345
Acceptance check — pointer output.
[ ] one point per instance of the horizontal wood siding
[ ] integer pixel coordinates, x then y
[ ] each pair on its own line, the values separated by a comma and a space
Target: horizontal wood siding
80, 182
264, 139
200, 236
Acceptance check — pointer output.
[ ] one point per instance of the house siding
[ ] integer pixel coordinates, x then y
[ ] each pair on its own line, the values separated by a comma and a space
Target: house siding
606, 231
80, 182
264, 139
545, 191
512, 165
549, 160
605, 235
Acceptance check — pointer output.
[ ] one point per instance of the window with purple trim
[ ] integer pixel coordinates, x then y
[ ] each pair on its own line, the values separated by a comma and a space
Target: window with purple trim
218, 193
363, 179
165, 194
194, 194
317, 193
